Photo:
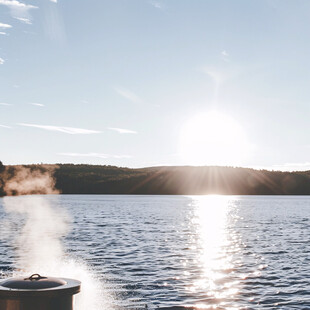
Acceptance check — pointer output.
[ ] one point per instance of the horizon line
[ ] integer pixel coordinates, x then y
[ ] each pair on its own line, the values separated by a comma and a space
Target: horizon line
164, 166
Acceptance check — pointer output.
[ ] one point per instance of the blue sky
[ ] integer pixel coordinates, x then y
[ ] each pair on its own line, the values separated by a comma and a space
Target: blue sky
116, 82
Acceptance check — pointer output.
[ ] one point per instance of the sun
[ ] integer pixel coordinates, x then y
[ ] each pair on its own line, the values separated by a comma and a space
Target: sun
213, 138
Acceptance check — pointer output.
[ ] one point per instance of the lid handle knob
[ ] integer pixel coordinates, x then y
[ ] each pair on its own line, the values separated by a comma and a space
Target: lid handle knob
35, 277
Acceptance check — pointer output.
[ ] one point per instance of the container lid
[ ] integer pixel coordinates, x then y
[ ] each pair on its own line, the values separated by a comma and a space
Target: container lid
36, 285
34, 282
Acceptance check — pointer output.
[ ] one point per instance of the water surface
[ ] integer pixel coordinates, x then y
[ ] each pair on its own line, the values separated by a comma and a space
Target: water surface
219, 252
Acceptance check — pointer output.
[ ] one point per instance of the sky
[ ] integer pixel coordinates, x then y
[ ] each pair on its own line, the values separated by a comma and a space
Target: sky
141, 83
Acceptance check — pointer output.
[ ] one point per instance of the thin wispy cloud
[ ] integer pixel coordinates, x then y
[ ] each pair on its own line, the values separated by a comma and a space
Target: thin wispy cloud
68, 130
5, 26
24, 20
302, 166
37, 104
4, 126
225, 56
1, 61
96, 155
298, 164
19, 10
292, 166
157, 5
55, 1
132, 97
121, 156
122, 130
17, 5
129, 95
4, 103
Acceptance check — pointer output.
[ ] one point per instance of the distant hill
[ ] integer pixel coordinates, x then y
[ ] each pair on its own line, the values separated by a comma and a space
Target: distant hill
185, 180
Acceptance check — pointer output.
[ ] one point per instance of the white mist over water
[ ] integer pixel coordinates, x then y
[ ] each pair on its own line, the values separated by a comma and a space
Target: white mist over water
29, 181
38, 236
39, 249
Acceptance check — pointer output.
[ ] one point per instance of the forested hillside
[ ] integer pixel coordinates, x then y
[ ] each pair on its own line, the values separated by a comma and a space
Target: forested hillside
91, 179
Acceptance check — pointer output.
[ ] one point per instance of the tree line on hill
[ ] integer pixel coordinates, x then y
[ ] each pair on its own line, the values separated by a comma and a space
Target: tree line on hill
183, 180
2, 168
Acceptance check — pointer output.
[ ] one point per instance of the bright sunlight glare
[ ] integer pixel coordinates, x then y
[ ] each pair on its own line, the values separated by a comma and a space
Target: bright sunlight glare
215, 246
213, 139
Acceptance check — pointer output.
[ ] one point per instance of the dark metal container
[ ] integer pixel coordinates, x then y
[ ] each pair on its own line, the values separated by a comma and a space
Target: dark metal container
38, 293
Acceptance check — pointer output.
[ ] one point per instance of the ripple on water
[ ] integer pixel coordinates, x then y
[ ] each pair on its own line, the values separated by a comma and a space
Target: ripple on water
169, 252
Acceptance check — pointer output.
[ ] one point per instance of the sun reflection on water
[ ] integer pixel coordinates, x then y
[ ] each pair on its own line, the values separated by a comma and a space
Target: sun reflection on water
215, 248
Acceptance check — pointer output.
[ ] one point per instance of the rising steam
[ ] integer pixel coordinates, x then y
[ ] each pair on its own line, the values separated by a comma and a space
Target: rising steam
20, 180
38, 244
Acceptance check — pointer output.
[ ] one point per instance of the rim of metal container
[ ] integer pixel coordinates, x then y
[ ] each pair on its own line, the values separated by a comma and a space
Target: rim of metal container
70, 288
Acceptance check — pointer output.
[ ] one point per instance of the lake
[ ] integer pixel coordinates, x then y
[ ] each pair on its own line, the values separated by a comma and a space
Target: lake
217, 252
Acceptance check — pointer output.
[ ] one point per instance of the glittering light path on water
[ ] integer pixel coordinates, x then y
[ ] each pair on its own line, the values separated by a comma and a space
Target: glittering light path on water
209, 252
